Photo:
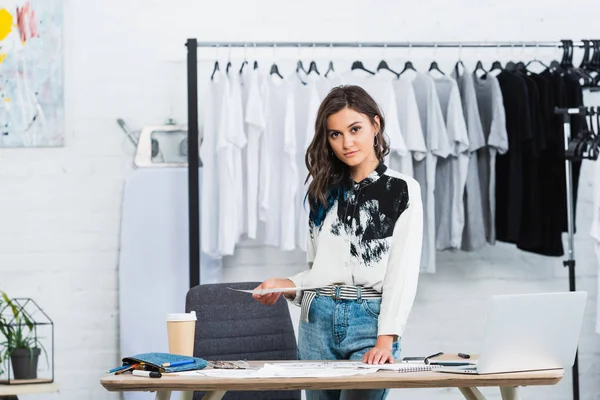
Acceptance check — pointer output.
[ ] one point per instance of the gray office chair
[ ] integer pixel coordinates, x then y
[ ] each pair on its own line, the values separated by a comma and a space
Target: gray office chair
233, 326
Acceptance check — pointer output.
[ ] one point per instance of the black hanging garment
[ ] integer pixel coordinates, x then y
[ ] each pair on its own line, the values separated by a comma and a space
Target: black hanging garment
509, 166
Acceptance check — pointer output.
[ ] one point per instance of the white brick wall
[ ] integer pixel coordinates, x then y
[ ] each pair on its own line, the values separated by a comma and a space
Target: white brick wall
60, 208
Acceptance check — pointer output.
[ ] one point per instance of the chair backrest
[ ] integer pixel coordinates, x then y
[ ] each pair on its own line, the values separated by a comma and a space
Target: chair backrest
231, 325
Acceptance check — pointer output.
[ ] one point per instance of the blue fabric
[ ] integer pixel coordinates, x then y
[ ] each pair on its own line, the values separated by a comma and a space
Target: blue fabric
341, 330
156, 360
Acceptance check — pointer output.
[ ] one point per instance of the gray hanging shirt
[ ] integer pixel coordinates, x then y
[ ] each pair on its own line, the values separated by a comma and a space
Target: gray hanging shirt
473, 235
493, 121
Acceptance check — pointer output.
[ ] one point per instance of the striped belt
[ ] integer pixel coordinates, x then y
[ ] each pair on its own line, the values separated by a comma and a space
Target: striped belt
341, 292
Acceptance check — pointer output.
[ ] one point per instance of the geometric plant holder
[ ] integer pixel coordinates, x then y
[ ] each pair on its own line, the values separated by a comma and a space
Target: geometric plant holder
24, 315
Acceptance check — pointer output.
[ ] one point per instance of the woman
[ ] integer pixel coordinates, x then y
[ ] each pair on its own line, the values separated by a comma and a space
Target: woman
364, 245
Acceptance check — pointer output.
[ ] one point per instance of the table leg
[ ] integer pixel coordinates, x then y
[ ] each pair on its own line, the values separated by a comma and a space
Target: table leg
163, 395
472, 393
510, 393
186, 396
216, 395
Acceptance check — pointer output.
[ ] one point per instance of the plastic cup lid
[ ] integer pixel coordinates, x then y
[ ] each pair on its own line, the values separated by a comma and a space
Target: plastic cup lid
182, 316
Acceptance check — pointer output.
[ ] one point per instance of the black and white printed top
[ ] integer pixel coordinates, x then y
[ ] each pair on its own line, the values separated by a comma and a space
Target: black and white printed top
371, 236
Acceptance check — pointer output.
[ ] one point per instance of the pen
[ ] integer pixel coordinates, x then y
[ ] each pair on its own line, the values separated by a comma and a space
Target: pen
178, 363
129, 367
451, 364
118, 368
426, 361
148, 374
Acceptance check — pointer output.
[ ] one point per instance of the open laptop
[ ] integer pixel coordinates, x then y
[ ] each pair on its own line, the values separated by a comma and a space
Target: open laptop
529, 332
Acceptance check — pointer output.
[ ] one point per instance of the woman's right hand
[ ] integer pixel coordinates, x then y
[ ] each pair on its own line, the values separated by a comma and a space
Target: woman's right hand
271, 298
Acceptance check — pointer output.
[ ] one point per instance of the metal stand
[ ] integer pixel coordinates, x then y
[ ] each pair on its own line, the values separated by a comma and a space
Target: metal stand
570, 261
193, 156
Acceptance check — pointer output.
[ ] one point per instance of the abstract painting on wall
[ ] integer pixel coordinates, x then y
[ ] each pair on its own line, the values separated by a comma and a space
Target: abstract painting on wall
31, 73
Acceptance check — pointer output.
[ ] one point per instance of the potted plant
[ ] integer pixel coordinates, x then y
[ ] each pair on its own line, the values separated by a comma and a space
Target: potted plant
21, 343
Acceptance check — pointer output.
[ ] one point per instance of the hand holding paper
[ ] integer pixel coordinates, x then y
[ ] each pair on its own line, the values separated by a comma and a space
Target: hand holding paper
266, 291
269, 291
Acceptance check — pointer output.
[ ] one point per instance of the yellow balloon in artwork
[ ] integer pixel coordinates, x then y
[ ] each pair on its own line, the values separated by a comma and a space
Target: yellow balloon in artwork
6, 21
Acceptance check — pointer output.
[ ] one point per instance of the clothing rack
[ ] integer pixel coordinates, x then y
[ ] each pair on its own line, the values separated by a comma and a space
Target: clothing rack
567, 113
193, 44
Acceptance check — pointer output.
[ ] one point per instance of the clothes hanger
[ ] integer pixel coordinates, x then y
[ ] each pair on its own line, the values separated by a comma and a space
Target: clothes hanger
567, 60
274, 67
582, 74
535, 60
510, 66
330, 66
228, 66
300, 67
299, 64
215, 69
245, 62
313, 68
434, 67
359, 65
555, 65
479, 67
407, 65
585, 59
496, 65
313, 65
595, 150
384, 65
275, 70
329, 69
460, 62
595, 61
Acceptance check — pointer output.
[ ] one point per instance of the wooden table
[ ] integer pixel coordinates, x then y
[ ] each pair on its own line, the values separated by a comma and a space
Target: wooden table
215, 388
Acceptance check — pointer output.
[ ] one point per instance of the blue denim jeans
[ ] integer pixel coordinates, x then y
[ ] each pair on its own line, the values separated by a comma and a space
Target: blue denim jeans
341, 330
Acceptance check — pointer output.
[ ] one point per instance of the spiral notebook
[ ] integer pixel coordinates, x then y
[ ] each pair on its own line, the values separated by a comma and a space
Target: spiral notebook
406, 367
397, 367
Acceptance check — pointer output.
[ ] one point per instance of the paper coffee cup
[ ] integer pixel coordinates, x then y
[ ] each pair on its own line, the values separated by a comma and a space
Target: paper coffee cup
181, 328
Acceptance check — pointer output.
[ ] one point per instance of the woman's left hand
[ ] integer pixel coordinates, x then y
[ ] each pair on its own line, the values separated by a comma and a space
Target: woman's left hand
378, 355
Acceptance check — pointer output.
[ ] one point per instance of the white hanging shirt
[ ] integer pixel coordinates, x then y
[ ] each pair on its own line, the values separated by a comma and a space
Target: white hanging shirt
410, 123
473, 237
239, 141
307, 102
349, 248
438, 147
230, 140
380, 89
451, 173
280, 137
209, 195
255, 175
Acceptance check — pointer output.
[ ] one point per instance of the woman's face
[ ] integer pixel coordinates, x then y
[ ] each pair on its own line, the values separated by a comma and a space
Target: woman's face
351, 136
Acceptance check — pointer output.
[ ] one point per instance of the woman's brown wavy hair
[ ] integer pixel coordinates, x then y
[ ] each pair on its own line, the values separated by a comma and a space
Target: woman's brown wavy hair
325, 169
